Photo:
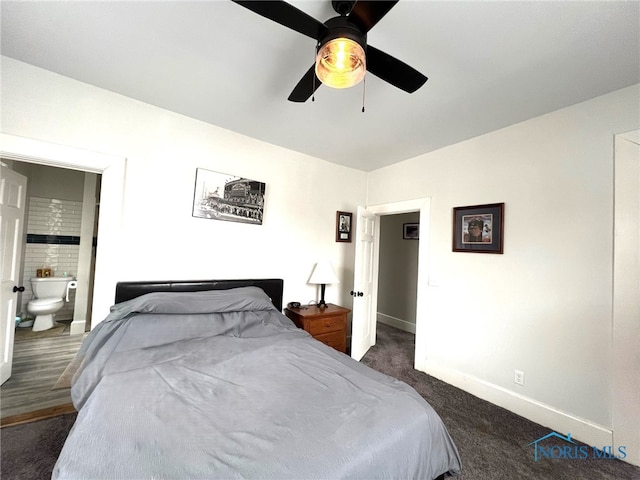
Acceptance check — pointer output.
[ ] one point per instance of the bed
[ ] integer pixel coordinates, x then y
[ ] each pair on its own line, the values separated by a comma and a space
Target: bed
208, 379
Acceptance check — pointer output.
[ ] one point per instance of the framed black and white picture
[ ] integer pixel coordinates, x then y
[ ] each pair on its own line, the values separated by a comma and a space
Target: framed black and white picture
411, 231
219, 196
478, 228
343, 226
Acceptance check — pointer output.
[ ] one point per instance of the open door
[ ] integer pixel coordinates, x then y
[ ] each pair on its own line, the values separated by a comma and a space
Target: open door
363, 332
13, 188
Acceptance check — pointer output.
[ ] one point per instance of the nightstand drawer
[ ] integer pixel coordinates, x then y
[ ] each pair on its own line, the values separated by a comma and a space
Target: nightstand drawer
329, 324
336, 340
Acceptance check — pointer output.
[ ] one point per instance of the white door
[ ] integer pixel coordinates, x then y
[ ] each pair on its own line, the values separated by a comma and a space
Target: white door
13, 188
363, 334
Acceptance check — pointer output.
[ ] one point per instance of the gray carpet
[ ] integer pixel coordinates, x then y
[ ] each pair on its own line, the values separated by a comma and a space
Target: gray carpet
493, 443
30, 450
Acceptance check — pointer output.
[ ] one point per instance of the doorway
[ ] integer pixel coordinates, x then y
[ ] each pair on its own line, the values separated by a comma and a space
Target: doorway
112, 171
58, 240
60, 231
420, 207
398, 281
398, 270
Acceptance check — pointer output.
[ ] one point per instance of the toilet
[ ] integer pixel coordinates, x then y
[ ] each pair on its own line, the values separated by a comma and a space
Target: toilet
49, 297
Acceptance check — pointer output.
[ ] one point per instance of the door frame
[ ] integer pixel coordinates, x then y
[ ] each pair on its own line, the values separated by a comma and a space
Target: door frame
423, 206
112, 168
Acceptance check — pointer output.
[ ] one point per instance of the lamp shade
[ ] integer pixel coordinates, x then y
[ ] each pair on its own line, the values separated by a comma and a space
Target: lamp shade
323, 274
341, 63
341, 59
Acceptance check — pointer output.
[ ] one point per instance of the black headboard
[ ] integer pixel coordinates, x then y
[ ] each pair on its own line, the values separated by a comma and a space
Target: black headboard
128, 290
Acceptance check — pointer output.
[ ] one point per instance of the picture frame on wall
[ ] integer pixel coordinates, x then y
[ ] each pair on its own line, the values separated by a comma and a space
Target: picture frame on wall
411, 231
479, 228
220, 196
343, 226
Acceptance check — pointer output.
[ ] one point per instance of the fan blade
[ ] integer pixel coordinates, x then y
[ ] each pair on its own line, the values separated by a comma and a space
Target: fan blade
393, 71
306, 86
287, 15
366, 14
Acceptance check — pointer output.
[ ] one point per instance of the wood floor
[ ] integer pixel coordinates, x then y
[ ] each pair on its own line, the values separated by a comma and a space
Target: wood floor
37, 365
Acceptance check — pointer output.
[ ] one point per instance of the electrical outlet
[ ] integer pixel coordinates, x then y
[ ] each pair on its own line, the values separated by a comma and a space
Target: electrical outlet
518, 377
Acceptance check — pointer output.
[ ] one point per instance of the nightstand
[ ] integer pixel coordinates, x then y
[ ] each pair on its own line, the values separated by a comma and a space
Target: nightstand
328, 324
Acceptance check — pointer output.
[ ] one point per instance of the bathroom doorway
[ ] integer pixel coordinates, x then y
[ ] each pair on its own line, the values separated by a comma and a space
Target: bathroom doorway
60, 235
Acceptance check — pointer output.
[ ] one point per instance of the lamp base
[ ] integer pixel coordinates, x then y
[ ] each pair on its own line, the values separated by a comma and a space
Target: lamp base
322, 303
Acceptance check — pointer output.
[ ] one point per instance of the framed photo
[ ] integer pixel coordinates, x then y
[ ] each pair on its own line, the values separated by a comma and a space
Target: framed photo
218, 196
343, 226
411, 231
478, 228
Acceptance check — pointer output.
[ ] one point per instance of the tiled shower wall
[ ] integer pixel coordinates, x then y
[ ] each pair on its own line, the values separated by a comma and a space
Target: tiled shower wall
53, 241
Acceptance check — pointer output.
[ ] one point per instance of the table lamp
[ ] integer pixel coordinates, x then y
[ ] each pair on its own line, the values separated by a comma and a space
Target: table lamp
322, 275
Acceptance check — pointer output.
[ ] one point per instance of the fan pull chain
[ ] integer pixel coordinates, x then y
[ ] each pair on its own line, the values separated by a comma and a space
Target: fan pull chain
313, 84
364, 88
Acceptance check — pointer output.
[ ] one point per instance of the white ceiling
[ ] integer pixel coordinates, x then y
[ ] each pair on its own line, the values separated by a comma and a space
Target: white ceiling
490, 64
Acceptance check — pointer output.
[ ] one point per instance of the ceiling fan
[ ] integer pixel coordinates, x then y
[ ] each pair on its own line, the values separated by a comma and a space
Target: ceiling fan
342, 53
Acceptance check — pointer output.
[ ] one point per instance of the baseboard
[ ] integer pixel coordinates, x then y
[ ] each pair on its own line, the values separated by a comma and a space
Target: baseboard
77, 327
396, 322
562, 422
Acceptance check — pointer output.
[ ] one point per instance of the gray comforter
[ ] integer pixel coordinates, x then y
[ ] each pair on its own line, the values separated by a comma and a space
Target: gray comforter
220, 384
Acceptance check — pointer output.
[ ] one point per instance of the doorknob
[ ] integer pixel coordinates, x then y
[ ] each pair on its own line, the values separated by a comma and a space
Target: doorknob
18, 289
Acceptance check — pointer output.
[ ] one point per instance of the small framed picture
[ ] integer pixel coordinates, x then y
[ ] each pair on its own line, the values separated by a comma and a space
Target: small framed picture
343, 226
478, 228
411, 231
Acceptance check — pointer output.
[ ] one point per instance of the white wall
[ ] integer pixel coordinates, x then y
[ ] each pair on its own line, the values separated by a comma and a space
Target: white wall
545, 305
160, 238
47, 182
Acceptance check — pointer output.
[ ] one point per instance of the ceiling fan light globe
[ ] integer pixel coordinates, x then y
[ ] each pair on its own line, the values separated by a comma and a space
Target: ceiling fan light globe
341, 63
